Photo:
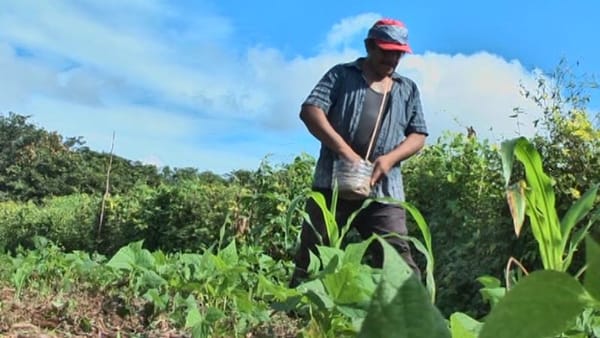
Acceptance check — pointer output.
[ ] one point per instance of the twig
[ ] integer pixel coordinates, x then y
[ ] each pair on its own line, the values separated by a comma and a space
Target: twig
107, 187
507, 270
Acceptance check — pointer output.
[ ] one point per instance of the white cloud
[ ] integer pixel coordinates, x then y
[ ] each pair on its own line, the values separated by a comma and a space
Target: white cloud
349, 28
178, 95
478, 90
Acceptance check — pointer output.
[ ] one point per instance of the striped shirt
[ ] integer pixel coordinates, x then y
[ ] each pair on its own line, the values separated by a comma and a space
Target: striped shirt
340, 94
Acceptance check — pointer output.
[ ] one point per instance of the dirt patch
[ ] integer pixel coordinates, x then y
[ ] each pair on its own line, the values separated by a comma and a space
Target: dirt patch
80, 313
92, 313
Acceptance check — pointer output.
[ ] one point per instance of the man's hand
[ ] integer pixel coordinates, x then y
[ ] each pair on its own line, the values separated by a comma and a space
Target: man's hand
351, 156
316, 121
381, 167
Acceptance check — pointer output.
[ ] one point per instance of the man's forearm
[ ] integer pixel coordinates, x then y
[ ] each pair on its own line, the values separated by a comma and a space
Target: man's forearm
411, 145
318, 125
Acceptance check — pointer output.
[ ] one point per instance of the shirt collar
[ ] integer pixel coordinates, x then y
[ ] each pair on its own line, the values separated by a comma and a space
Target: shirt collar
356, 65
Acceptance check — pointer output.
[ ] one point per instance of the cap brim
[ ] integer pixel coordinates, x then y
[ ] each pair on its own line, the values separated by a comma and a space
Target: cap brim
393, 46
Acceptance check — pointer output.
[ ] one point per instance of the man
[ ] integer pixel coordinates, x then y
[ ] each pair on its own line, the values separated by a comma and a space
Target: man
341, 112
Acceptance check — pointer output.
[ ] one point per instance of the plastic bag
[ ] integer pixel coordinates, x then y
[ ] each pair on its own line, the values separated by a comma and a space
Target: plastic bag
353, 179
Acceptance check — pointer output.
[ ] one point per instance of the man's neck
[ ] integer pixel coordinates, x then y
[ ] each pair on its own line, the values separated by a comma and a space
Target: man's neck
379, 83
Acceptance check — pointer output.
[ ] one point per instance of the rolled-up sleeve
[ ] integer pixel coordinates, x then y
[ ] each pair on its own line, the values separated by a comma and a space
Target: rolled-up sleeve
416, 121
324, 93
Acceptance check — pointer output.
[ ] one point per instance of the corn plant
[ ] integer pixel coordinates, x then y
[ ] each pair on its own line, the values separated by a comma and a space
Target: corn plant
336, 234
342, 289
535, 198
547, 302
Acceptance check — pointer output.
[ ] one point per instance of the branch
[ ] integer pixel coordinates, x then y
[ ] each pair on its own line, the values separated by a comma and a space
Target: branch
107, 187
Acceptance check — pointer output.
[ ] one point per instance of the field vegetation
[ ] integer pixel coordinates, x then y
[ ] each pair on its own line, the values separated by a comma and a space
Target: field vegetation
507, 235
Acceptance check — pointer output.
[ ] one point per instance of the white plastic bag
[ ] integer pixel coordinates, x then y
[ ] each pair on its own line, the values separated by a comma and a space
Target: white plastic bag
353, 179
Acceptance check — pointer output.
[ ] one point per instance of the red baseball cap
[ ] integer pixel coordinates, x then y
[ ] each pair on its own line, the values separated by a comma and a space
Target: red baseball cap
390, 34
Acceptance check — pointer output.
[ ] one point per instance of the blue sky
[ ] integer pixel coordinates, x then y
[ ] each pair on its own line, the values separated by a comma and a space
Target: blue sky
217, 85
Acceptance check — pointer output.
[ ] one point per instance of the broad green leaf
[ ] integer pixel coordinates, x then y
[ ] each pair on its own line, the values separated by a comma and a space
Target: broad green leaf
352, 284
229, 255
592, 274
193, 317
267, 287
492, 291
463, 326
328, 254
124, 259
489, 281
150, 279
354, 252
315, 291
160, 301
131, 257
401, 306
213, 315
595, 325
541, 305
314, 265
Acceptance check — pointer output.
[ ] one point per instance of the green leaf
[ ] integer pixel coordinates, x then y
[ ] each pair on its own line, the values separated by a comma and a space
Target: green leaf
592, 275
193, 317
150, 279
329, 255
354, 252
314, 265
131, 257
124, 259
401, 306
352, 284
352, 312
229, 255
577, 212
159, 301
430, 281
422, 225
426, 250
200, 330
315, 291
463, 326
213, 315
543, 304
540, 201
492, 290
328, 216
267, 287
489, 281
579, 236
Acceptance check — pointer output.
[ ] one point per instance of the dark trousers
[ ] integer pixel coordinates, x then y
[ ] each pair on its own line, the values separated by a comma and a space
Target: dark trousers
377, 218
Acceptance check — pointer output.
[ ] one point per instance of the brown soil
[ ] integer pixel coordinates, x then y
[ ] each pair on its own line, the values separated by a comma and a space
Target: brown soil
85, 313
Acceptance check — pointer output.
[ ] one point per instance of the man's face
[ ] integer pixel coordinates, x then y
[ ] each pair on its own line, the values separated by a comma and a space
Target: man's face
384, 61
